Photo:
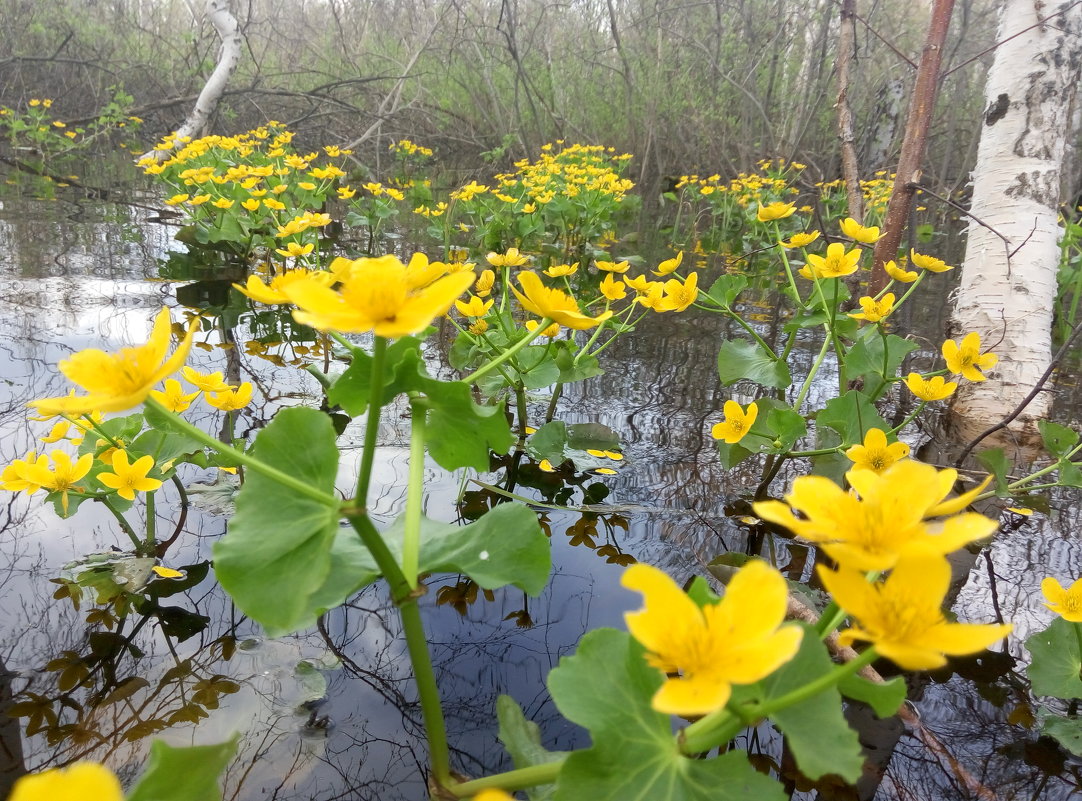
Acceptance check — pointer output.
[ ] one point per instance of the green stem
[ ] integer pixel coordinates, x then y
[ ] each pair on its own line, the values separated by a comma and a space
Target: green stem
1078, 636
788, 268
811, 375
590, 342
371, 426
124, 525
246, 459
428, 691
511, 351
909, 419
511, 780
411, 542
150, 520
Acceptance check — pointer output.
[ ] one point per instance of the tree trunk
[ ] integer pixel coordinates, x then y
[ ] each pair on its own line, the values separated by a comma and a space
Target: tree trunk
1008, 291
198, 122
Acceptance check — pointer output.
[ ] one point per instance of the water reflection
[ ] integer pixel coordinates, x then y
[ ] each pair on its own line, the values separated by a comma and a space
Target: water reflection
331, 712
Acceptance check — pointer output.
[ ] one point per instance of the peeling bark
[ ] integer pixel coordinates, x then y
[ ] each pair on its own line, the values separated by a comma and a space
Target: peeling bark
198, 122
1007, 293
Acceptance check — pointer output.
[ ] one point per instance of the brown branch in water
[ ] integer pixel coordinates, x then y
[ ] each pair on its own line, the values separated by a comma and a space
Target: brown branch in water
917, 124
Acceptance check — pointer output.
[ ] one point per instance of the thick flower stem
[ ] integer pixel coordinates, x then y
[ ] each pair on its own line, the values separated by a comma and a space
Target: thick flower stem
511, 780
123, 523
411, 542
249, 461
811, 375
511, 351
150, 521
788, 268
371, 427
435, 729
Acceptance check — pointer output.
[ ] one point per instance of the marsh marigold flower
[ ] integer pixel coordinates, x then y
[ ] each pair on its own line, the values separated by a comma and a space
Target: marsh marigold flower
737, 422
562, 270
775, 211
799, 240
875, 310
613, 289
555, 304
128, 479
83, 781
738, 640
22, 475
930, 263
834, 265
875, 454
613, 266
890, 514
512, 258
680, 294
930, 389
474, 307
116, 382
381, 295
900, 275
485, 282
966, 359
272, 294
208, 382
854, 230
903, 616
1067, 603
670, 265
232, 398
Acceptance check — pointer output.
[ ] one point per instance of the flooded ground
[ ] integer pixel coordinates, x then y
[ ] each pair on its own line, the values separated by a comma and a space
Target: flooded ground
330, 713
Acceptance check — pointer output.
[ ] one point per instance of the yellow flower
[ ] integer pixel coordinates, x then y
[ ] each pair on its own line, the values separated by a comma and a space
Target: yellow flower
613, 266
670, 265
223, 203
199, 200
966, 359
478, 327
836, 263
550, 330
930, 263
800, 240
887, 516
293, 250
854, 230
231, 399
346, 192
679, 295
493, 795
561, 270
1067, 603
208, 382
875, 454
20, 475
703, 652
900, 275
173, 397
176, 200
775, 211
128, 479
612, 289
903, 617
930, 389
381, 295
475, 307
58, 432
737, 422
558, 306
273, 294
120, 381
485, 282
83, 781
640, 283
875, 310
512, 258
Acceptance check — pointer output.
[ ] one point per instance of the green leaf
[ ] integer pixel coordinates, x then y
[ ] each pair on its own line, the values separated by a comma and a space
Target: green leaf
277, 552
548, 442
815, 729
184, 774
587, 366
726, 289
731, 455
537, 369
163, 446
606, 687
885, 698
352, 388
869, 356
851, 415
1058, 440
739, 359
123, 429
787, 426
997, 463
1056, 661
504, 546
596, 436
1065, 731
460, 432
1069, 474
522, 739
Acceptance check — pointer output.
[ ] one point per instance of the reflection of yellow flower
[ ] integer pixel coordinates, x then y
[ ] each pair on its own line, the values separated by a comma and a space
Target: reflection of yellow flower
966, 359
554, 304
887, 517
854, 230
737, 422
835, 264
903, 617
898, 274
83, 781
1067, 603
381, 295
930, 389
128, 479
875, 310
775, 211
739, 640
120, 381
930, 263
875, 454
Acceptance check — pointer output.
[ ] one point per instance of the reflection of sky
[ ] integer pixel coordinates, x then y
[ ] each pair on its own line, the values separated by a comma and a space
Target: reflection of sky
80, 283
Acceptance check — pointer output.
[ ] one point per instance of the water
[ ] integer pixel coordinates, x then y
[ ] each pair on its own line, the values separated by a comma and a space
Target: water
331, 712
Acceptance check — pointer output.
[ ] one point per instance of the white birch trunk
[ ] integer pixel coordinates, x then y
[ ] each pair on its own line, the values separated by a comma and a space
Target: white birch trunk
198, 122
1016, 188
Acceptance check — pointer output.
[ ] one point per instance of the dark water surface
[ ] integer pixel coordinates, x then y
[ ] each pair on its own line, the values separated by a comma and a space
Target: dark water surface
330, 713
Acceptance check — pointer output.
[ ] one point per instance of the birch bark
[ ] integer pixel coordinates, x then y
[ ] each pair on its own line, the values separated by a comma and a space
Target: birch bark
1007, 292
